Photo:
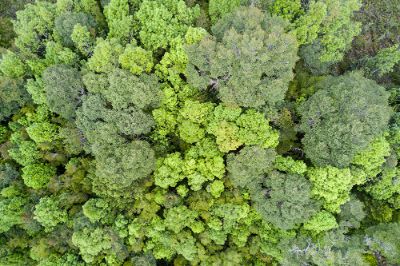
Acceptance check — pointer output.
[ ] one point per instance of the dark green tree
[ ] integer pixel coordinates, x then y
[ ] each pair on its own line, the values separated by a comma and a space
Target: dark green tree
342, 118
331, 248
247, 168
65, 23
284, 200
8, 174
248, 63
119, 167
382, 240
119, 103
12, 96
63, 87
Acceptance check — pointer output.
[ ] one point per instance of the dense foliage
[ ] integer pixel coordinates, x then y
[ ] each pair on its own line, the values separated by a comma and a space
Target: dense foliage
220, 132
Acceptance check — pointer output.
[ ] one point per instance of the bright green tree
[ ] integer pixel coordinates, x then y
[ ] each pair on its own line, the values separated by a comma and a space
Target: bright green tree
120, 22
11, 65
136, 60
331, 185
162, 21
219, 8
329, 25
384, 61
49, 213
42, 132
97, 243
105, 55
37, 175
97, 209
33, 25
322, 221
11, 208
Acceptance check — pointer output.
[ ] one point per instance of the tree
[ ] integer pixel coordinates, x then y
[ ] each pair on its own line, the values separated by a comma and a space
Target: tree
64, 87
97, 210
54, 54
136, 60
49, 214
12, 96
332, 248
332, 185
201, 163
243, 63
118, 168
65, 260
247, 168
385, 186
42, 132
172, 66
218, 9
342, 118
382, 240
105, 55
289, 165
216, 188
322, 221
125, 89
25, 152
351, 214
11, 65
8, 174
337, 28
35, 88
11, 208
382, 34
120, 23
118, 103
37, 175
192, 118
371, 159
95, 243
6, 32
383, 62
311, 55
284, 200
180, 217
83, 39
162, 21
65, 24
34, 24
232, 128
308, 25
287, 9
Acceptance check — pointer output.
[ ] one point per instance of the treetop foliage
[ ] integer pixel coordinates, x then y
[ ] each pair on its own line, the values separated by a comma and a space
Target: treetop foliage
342, 118
241, 61
186, 132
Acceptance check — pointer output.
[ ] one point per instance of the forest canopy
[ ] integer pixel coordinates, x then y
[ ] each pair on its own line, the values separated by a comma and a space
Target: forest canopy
199, 132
